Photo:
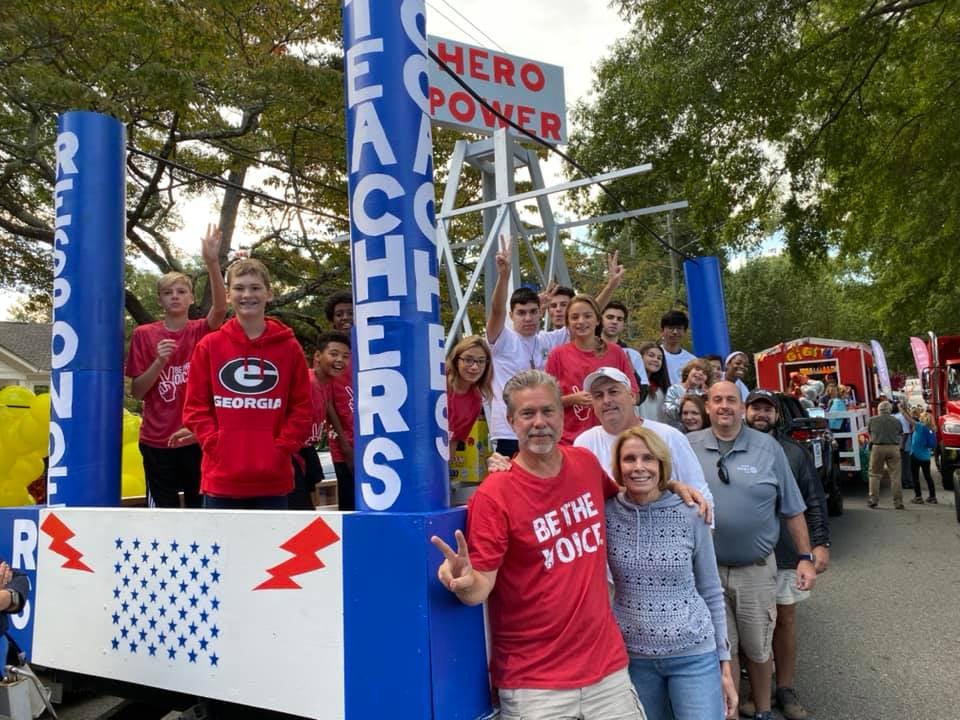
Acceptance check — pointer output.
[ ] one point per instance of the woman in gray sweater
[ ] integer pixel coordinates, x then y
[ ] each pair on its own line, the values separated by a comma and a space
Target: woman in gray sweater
668, 600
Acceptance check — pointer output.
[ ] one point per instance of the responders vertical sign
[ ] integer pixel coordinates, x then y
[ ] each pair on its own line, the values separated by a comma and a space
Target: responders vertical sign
529, 92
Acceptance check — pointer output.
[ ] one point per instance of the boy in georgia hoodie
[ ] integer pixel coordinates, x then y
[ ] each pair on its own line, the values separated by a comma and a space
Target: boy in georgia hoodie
248, 400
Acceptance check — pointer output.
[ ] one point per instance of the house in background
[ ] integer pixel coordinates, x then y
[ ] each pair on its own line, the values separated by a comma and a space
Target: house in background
25, 355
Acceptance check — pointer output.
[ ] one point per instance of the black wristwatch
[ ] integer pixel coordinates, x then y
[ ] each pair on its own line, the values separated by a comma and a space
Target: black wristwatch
14, 599
805, 556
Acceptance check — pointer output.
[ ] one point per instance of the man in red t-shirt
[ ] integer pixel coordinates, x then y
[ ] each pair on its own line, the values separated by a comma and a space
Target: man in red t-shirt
538, 556
158, 363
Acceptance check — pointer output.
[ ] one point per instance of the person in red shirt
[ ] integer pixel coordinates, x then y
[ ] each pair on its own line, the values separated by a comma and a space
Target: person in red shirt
537, 555
469, 381
159, 364
571, 362
248, 400
339, 312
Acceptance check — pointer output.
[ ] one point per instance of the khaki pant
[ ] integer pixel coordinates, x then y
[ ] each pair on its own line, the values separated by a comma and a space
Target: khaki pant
611, 698
889, 456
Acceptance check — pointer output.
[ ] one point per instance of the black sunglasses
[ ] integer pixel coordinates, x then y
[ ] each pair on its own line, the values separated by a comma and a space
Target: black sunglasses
722, 470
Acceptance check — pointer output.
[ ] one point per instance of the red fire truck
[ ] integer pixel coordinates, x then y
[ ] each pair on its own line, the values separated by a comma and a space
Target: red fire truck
941, 390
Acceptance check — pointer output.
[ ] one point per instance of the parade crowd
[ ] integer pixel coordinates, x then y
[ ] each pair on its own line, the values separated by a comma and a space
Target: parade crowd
646, 528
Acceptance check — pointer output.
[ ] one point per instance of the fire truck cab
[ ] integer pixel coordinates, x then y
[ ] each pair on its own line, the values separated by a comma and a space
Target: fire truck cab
941, 390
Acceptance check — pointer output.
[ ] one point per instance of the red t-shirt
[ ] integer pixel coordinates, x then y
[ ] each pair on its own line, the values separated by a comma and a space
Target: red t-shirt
163, 403
463, 409
342, 391
319, 394
570, 366
551, 626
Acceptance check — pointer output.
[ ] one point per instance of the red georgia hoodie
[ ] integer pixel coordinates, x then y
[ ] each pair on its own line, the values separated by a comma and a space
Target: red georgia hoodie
248, 403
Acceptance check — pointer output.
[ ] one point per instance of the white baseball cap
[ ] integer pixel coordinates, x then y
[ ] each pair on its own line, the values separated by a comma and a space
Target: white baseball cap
605, 372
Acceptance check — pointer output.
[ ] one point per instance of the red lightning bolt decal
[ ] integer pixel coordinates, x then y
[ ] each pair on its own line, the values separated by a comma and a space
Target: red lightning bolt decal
60, 535
304, 547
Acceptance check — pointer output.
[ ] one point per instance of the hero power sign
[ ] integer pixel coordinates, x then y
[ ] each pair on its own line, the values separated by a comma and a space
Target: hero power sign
527, 91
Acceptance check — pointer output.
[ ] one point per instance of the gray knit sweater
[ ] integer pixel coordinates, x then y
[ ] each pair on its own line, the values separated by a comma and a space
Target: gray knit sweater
668, 599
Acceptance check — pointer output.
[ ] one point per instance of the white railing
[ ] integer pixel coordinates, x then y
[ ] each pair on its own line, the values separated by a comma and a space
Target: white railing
850, 451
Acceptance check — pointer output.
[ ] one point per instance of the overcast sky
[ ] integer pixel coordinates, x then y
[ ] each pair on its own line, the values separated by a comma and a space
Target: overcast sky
571, 33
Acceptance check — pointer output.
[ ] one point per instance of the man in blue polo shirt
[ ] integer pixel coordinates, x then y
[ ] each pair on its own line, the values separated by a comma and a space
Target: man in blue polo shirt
753, 490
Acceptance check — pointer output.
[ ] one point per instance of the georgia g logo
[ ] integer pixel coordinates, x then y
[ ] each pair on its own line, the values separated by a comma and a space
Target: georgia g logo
249, 376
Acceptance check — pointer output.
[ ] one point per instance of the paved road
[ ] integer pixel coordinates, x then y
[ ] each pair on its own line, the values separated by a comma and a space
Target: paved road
880, 636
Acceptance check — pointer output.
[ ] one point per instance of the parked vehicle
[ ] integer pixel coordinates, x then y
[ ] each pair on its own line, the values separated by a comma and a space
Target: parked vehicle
814, 434
941, 389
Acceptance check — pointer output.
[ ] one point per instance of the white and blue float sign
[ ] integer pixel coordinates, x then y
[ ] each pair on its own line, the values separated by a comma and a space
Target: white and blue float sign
318, 614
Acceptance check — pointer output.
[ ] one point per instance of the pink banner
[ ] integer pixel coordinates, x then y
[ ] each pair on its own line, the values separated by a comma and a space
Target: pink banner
920, 355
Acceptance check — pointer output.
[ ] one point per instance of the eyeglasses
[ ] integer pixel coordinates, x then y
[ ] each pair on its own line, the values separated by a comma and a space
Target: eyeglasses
472, 361
722, 470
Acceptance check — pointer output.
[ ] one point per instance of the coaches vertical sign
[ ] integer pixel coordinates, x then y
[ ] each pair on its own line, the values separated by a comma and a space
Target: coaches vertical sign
527, 91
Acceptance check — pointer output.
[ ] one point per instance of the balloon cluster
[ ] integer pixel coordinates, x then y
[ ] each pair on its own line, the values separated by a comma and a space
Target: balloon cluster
24, 443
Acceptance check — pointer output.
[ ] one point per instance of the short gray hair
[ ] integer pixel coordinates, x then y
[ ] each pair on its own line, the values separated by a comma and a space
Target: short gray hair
885, 408
527, 380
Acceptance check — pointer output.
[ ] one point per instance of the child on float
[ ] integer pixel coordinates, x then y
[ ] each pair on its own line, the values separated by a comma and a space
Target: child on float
339, 313
158, 364
469, 385
248, 400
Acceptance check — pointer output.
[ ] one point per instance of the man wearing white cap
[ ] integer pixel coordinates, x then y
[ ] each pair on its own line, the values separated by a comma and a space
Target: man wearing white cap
736, 367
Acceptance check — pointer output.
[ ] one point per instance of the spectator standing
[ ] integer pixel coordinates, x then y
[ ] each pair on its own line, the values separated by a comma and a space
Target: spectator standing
572, 362
736, 367
559, 298
693, 381
658, 380
923, 442
469, 379
159, 365
885, 433
613, 321
339, 313
716, 365
673, 330
762, 415
902, 413
754, 491
668, 601
693, 414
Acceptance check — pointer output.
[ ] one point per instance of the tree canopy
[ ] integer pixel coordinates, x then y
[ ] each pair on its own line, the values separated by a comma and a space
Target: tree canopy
835, 123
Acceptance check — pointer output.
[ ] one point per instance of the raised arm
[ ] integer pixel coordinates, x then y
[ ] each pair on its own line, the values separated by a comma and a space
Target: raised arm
456, 573
218, 293
615, 273
498, 300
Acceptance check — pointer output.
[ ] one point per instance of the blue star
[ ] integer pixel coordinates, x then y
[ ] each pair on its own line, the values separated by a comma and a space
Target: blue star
135, 569
162, 611
115, 644
163, 584
183, 560
126, 556
182, 641
143, 557
194, 547
215, 549
124, 632
117, 568
172, 598
162, 638
214, 659
164, 558
154, 545
203, 643
143, 634
193, 628
173, 572
119, 543
193, 601
134, 620
203, 588
174, 546
192, 655
214, 631
136, 544
153, 623
215, 576
215, 604
183, 613
134, 594
153, 597
194, 573
204, 561
116, 619
183, 586
153, 571
203, 616
171, 653
133, 646
143, 609
143, 583
172, 626
116, 593
124, 606
125, 581
152, 649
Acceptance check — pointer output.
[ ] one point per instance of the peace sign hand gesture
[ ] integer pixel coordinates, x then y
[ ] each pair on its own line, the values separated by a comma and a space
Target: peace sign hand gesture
455, 572
502, 257
615, 271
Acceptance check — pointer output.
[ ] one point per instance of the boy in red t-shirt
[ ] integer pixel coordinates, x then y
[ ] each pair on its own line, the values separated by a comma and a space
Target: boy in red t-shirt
339, 312
248, 400
158, 363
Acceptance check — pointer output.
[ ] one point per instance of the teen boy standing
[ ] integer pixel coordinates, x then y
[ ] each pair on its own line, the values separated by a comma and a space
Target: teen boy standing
159, 363
248, 400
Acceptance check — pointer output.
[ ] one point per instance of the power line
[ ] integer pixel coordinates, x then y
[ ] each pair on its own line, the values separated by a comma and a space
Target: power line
473, 25
458, 27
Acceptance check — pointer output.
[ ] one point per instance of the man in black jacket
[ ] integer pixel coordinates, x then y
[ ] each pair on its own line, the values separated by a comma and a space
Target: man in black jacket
762, 415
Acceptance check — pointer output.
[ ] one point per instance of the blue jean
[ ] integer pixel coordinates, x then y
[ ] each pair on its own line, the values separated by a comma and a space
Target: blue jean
680, 688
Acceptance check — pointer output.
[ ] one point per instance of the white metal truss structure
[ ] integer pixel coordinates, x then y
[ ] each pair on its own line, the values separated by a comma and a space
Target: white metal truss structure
498, 158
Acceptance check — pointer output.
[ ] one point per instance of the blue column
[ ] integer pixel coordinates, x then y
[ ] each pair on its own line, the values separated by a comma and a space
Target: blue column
86, 384
708, 311
400, 425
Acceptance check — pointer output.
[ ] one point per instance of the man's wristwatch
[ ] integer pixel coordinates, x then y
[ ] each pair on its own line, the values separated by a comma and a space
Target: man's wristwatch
14, 599
805, 556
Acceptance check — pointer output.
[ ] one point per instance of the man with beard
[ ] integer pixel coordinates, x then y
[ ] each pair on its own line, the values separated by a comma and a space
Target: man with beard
754, 490
540, 527
762, 415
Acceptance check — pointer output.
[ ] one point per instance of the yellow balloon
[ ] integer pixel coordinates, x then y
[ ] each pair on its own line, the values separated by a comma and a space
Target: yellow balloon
25, 470
131, 428
15, 496
15, 396
132, 486
34, 437
40, 408
131, 462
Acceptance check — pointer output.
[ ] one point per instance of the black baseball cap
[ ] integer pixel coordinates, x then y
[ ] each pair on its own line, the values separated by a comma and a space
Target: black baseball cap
761, 394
